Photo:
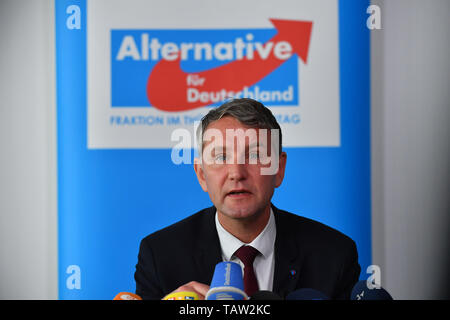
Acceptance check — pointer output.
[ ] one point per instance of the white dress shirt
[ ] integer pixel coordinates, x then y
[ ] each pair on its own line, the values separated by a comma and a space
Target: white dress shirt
264, 263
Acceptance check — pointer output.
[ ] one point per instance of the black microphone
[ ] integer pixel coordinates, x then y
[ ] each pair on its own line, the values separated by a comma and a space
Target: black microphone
362, 292
307, 294
265, 295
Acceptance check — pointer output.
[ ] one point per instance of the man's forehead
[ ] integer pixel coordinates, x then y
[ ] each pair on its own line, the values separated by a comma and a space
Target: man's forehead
251, 136
218, 145
229, 131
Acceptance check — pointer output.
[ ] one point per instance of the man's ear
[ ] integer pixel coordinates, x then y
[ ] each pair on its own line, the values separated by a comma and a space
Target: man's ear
279, 176
200, 174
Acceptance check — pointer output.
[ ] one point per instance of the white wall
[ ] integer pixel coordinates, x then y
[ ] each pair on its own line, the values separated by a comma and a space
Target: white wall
411, 148
28, 262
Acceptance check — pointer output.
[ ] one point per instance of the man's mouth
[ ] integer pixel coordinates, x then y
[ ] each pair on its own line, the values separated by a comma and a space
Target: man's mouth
238, 193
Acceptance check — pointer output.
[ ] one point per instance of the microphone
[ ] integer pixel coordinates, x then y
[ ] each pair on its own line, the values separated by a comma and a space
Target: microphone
127, 296
265, 295
227, 283
361, 292
182, 295
306, 294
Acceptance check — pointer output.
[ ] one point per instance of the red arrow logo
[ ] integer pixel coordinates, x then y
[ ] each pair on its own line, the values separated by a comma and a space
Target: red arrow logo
167, 85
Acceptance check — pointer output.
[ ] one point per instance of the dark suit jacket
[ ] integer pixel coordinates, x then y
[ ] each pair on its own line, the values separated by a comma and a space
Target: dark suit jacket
308, 254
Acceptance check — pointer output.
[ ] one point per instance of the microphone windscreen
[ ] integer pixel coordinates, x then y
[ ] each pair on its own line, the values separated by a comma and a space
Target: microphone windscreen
127, 296
265, 295
228, 273
227, 282
182, 295
306, 294
362, 292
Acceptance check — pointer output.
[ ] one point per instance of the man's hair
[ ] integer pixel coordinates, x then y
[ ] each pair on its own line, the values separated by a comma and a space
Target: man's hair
247, 111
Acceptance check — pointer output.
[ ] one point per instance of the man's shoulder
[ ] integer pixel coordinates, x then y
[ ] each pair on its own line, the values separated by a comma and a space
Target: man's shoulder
186, 228
310, 231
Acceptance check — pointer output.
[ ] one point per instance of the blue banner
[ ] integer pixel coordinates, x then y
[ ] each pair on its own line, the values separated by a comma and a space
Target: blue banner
114, 189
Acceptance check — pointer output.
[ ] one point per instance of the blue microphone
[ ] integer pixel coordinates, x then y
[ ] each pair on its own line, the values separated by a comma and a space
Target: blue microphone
227, 283
362, 292
306, 294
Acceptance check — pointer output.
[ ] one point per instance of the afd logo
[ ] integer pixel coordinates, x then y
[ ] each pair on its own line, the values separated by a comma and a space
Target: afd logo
180, 70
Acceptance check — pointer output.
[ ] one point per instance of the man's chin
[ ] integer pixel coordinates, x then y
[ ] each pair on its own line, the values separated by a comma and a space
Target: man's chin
239, 212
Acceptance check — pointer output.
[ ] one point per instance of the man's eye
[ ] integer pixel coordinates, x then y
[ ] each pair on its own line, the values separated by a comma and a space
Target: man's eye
220, 157
253, 155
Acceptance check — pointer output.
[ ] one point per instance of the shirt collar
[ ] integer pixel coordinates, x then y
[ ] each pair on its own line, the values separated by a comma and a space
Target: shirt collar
264, 242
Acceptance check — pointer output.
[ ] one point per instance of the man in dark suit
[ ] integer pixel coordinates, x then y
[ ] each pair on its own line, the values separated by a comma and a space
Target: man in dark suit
240, 166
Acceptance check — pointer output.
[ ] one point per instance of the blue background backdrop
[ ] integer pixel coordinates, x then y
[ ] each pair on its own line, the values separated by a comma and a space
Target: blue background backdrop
108, 200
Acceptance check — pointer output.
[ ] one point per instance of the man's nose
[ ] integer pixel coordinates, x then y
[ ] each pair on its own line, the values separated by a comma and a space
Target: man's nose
237, 171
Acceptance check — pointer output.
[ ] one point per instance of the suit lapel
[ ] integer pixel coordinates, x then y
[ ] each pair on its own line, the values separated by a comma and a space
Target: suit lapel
208, 252
287, 257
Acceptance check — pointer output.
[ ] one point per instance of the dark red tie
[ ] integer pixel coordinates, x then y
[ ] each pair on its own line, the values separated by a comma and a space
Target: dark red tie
247, 255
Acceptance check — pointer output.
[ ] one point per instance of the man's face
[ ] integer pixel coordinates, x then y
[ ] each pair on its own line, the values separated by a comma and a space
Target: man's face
232, 167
